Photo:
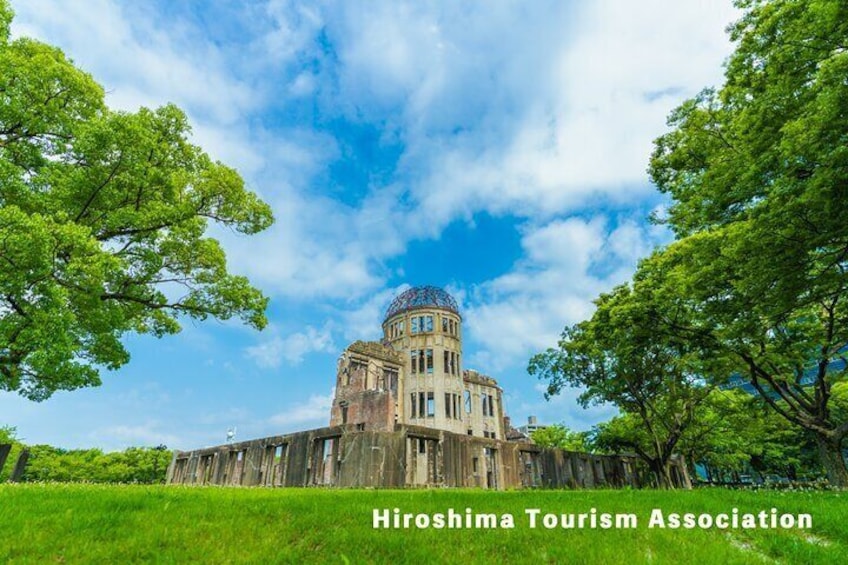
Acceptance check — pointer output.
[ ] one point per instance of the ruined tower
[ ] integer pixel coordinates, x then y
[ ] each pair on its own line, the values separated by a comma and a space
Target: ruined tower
368, 384
424, 325
415, 375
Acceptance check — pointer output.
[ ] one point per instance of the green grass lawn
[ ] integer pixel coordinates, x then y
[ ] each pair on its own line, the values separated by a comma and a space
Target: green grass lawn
59, 523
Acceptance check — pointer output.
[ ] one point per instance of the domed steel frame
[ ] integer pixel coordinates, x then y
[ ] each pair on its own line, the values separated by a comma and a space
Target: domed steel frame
422, 297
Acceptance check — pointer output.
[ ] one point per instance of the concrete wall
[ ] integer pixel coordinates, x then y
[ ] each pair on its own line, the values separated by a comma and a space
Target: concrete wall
482, 424
407, 456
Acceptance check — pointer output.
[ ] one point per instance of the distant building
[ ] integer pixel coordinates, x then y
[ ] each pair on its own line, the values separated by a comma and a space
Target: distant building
531, 426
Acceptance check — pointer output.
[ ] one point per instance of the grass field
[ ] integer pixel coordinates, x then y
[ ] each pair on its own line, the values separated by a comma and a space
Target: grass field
59, 523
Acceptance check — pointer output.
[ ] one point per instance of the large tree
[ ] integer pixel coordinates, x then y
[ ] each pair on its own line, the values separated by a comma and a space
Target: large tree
758, 174
624, 356
735, 433
103, 219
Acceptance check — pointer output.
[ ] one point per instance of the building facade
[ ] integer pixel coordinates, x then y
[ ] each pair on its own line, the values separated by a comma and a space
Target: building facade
531, 426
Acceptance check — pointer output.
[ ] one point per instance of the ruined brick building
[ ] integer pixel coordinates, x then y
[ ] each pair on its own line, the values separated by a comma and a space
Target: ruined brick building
415, 375
406, 413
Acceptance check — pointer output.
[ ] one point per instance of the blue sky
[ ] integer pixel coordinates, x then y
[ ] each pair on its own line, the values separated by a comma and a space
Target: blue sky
496, 149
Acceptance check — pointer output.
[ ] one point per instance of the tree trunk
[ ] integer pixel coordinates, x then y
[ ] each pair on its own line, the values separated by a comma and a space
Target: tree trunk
830, 455
662, 472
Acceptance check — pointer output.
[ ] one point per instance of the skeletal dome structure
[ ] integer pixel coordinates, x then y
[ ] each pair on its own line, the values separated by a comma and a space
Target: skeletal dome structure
422, 297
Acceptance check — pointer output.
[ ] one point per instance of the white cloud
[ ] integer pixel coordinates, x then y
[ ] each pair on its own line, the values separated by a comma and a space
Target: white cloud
314, 412
588, 129
319, 247
566, 264
533, 114
271, 352
295, 27
147, 434
306, 254
529, 111
364, 320
138, 61
562, 408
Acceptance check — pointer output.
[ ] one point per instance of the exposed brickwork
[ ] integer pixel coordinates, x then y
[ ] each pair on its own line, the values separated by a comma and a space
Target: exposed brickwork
367, 387
376, 351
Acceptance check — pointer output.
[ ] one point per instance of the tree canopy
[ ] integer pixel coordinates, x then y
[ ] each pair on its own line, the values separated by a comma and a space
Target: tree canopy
103, 220
47, 463
623, 357
560, 436
758, 174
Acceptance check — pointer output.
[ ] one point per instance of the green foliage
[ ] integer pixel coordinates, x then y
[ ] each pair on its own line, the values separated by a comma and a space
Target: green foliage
623, 356
771, 140
147, 465
133, 465
103, 217
9, 435
621, 434
6, 14
558, 435
758, 174
736, 433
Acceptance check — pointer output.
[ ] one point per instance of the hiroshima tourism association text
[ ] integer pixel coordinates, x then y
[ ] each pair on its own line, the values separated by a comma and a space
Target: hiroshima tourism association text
733, 519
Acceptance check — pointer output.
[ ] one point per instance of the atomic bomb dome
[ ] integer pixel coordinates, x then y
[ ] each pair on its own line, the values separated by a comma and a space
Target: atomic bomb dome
406, 412
421, 297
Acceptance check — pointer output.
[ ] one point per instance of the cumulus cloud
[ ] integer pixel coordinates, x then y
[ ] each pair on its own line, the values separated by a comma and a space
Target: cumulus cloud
530, 111
535, 113
291, 348
364, 320
566, 263
147, 434
314, 412
138, 61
